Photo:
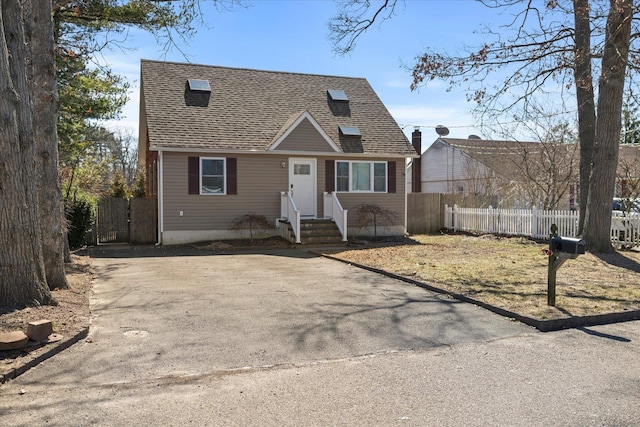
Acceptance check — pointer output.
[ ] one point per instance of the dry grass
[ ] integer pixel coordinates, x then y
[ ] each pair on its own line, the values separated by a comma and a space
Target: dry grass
72, 312
511, 273
69, 317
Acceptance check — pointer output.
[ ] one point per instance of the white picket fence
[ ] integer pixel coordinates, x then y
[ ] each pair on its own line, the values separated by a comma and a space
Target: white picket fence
535, 223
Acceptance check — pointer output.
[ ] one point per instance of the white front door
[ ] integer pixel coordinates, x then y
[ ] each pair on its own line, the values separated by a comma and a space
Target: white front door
302, 184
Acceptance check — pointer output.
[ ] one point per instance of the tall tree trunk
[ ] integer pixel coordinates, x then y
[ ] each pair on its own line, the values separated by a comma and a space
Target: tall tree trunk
22, 277
44, 93
597, 223
585, 99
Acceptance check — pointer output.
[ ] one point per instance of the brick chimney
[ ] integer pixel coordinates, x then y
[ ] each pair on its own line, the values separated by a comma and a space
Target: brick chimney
416, 169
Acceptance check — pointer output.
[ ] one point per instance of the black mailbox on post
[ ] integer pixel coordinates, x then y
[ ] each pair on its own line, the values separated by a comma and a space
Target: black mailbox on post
567, 247
560, 250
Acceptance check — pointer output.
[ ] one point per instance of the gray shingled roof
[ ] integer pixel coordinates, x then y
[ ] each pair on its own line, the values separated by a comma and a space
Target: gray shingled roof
247, 109
506, 157
629, 155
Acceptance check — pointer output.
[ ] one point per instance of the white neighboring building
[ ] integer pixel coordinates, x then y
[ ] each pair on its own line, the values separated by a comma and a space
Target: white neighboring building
498, 173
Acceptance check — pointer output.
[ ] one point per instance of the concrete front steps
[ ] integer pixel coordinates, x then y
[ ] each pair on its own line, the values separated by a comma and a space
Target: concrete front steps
315, 232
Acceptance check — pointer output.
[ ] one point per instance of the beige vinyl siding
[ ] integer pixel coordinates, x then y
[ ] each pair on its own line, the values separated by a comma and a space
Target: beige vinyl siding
304, 137
260, 180
393, 202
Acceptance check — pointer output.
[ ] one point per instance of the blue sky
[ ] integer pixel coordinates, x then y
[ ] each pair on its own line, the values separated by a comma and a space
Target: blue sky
292, 35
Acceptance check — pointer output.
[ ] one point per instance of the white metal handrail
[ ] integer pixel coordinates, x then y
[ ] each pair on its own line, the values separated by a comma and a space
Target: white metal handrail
334, 211
289, 212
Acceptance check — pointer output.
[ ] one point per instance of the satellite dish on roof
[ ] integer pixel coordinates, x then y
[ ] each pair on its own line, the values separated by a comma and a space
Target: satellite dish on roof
442, 130
473, 137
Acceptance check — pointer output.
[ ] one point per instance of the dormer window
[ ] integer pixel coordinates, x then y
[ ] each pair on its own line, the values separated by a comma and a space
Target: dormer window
338, 95
350, 131
196, 85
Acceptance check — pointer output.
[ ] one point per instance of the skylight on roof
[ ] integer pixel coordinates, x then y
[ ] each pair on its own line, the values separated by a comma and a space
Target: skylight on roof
338, 95
199, 85
350, 131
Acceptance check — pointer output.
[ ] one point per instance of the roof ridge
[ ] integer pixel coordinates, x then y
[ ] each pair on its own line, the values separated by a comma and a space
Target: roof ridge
488, 141
249, 69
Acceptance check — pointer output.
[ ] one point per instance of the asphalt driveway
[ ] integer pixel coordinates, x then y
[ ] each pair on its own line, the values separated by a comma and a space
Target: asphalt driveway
287, 338
156, 316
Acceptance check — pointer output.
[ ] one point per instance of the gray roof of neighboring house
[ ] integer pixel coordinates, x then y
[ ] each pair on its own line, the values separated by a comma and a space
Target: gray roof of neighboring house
629, 160
248, 109
496, 153
507, 157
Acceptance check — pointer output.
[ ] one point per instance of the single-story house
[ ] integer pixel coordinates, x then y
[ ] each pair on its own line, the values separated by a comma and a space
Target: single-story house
506, 174
296, 149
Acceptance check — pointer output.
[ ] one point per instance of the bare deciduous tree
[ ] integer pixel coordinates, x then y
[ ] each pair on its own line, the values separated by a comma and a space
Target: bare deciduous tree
548, 172
544, 48
372, 215
519, 173
628, 174
483, 184
252, 222
549, 168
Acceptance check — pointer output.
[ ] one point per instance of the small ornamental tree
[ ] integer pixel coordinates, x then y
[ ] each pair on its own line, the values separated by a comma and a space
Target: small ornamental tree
251, 222
371, 215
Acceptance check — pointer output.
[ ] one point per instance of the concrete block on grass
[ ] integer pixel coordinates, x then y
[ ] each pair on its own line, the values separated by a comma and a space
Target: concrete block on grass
39, 330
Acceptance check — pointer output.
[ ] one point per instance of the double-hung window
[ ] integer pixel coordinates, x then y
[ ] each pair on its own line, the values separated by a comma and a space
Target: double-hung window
358, 176
212, 175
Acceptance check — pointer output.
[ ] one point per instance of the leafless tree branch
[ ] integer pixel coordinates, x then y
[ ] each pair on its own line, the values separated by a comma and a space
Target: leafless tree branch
353, 19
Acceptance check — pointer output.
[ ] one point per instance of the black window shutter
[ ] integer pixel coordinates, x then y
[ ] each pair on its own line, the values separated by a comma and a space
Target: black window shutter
391, 177
194, 175
232, 175
329, 176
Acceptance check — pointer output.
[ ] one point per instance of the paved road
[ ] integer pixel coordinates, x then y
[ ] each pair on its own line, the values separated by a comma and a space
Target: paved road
287, 338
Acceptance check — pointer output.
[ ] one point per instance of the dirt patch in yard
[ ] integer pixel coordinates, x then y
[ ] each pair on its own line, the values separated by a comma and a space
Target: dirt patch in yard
69, 317
510, 273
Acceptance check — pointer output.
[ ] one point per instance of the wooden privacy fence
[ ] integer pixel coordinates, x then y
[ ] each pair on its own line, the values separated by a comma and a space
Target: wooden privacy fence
143, 225
425, 211
126, 221
112, 220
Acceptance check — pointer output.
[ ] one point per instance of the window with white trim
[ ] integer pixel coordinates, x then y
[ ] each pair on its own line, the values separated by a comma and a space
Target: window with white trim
361, 177
212, 175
